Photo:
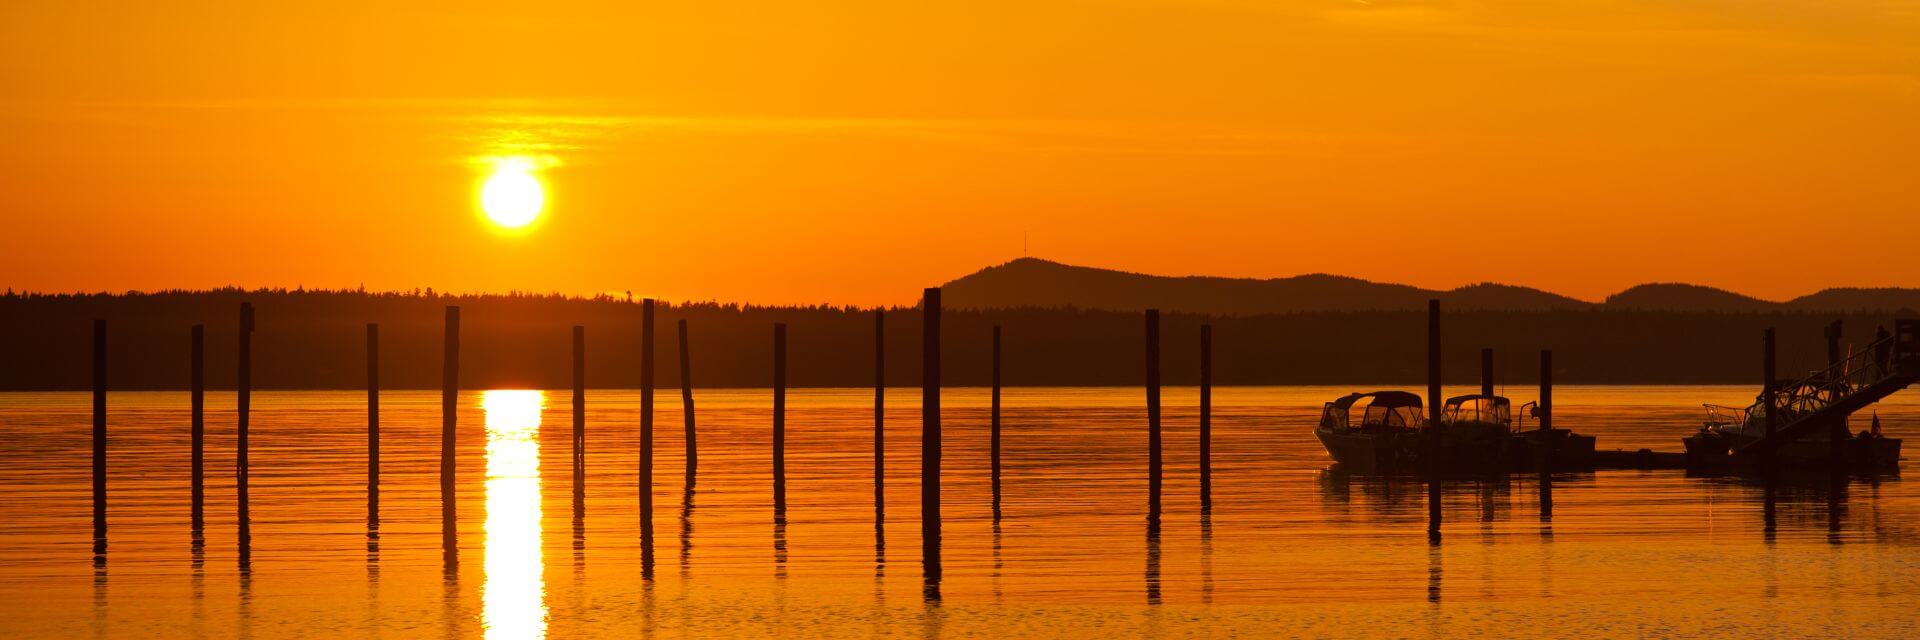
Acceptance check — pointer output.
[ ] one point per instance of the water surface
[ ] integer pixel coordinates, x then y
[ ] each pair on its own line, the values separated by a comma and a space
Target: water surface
1290, 548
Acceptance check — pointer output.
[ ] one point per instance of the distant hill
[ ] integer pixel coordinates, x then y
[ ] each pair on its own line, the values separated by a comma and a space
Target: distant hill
1032, 282
1666, 296
1852, 299
1036, 283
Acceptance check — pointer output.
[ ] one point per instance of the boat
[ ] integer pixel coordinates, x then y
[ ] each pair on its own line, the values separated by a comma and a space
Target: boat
1729, 429
1476, 433
1384, 440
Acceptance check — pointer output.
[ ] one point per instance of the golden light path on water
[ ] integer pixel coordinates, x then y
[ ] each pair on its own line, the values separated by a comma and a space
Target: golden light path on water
513, 600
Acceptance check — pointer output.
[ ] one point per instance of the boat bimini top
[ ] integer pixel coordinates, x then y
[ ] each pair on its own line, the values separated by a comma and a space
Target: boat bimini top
1387, 411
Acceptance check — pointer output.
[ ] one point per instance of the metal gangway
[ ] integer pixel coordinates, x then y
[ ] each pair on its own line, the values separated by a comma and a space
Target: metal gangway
1824, 399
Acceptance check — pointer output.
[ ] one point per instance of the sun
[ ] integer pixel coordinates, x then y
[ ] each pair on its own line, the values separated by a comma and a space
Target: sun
512, 196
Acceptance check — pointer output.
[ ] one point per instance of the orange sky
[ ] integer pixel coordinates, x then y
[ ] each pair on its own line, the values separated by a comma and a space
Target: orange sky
852, 152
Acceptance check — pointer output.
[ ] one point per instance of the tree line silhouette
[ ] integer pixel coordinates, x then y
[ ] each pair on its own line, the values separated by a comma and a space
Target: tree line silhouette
312, 339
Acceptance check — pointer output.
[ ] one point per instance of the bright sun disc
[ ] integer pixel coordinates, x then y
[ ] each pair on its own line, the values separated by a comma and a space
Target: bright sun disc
512, 197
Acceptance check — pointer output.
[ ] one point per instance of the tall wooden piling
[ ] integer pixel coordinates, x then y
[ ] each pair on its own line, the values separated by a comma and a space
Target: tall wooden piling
1767, 370
1206, 417
579, 440
198, 429
1486, 371
930, 434
1837, 434
373, 425
449, 406
692, 443
1547, 438
1434, 449
646, 419
1153, 414
780, 418
99, 438
993, 439
879, 416
1546, 389
1832, 333
245, 402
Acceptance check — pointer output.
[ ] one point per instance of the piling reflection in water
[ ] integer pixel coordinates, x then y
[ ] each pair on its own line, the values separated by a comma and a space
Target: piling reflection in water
513, 600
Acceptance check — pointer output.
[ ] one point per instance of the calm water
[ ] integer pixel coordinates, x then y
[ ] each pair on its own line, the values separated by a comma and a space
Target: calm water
1289, 548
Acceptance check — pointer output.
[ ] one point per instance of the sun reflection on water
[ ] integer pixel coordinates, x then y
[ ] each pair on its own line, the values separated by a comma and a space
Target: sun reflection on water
514, 597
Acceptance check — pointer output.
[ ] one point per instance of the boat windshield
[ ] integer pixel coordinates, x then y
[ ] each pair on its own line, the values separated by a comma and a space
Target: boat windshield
1392, 417
1487, 409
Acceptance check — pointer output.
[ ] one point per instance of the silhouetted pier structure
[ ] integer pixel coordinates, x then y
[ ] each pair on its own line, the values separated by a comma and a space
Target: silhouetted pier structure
1786, 413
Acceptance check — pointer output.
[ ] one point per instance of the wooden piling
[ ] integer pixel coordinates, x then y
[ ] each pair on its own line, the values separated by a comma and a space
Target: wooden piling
449, 406
646, 418
1546, 389
579, 440
373, 425
198, 429
1206, 417
1766, 392
1486, 371
1434, 449
1153, 414
993, 439
879, 416
930, 435
692, 443
1832, 333
1548, 440
245, 402
99, 438
779, 417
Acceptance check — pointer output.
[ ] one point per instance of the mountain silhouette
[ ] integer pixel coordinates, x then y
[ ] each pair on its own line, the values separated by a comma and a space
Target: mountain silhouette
1037, 283
1671, 296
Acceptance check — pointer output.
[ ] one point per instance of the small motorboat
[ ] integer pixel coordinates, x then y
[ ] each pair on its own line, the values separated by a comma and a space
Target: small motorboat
1384, 440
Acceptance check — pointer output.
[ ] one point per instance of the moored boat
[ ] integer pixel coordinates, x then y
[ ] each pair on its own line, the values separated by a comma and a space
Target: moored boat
1384, 440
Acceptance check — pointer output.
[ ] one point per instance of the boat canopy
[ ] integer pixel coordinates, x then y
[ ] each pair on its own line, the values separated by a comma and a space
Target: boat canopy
1478, 408
1392, 410
1385, 399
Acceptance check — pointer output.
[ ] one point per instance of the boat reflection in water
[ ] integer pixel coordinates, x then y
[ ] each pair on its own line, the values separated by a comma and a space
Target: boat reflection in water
513, 599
